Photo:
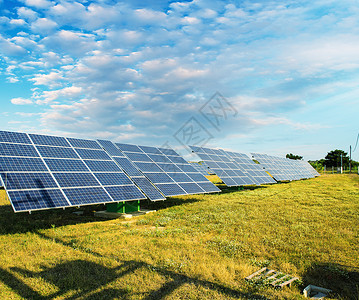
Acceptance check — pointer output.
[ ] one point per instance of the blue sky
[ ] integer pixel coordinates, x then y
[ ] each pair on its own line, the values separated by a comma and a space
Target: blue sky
145, 72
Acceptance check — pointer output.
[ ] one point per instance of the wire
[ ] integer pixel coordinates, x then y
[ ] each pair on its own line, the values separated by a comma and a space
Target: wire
356, 144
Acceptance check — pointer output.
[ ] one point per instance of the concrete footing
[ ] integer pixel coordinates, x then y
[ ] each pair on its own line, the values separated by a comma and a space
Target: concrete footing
113, 215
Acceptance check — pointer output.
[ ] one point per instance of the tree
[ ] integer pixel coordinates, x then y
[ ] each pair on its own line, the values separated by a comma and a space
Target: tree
333, 159
292, 156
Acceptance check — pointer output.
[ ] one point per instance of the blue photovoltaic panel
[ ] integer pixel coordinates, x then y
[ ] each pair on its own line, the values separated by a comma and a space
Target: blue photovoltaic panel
56, 152
220, 162
46, 172
146, 186
48, 140
138, 157
129, 148
152, 150
127, 166
180, 177
170, 189
197, 177
148, 167
21, 164
159, 158
14, 137
84, 196
113, 178
17, 150
186, 168
167, 151
191, 188
76, 179
36, 199
93, 154
65, 165
159, 177
110, 148
209, 187
125, 193
177, 159
79, 143
102, 166
136, 176
169, 167
18, 181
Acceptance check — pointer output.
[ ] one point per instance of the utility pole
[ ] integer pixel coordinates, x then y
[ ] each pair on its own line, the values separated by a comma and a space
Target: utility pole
350, 159
341, 163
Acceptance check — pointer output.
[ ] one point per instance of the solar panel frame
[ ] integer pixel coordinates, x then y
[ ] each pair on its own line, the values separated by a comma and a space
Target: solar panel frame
49, 165
131, 170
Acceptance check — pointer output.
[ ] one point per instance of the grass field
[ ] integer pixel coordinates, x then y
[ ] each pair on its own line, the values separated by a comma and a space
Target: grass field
193, 247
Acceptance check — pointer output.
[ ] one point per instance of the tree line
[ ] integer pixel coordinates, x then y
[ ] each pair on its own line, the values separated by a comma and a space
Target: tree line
332, 159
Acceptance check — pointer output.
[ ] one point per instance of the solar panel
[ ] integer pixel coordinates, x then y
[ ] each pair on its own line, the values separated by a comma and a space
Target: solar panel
249, 167
130, 169
204, 170
234, 169
42, 172
165, 169
284, 169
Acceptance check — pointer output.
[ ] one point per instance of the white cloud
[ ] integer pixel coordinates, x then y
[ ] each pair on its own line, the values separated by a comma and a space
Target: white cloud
52, 79
38, 3
68, 92
21, 101
43, 26
27, 13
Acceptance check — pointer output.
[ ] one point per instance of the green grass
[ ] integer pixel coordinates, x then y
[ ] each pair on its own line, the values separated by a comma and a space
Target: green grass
193, 247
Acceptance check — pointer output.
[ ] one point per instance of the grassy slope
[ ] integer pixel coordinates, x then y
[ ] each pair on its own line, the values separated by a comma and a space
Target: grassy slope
193, 247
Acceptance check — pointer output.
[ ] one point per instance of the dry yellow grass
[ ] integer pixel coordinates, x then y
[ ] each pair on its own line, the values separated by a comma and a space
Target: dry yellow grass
194, 247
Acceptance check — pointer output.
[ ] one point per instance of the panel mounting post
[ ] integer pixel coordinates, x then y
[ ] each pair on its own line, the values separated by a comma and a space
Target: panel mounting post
123, 207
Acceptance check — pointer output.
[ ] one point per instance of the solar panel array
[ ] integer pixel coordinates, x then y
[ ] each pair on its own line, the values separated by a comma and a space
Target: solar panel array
168, 171
284, 169
203, 169
41, 172
131, 170
234, 169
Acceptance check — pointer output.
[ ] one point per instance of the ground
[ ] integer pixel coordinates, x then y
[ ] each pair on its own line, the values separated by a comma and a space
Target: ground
193, 247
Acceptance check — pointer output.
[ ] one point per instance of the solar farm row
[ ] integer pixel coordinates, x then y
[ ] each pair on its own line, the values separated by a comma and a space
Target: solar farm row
237, 169
41, 172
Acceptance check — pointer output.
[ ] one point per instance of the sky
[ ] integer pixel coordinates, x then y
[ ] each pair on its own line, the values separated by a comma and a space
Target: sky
271, 77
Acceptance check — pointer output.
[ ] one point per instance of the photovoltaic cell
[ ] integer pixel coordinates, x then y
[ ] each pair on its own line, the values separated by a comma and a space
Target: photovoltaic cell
113, 179
18, 181
56, 152
80, 143
129, 148
102, 166
48, 140
14, 137
131, 170
26, 200
7, 149
76, 179
23, 164
84, 196
93, 154
65, 165
146, 186
124, 193
170, 189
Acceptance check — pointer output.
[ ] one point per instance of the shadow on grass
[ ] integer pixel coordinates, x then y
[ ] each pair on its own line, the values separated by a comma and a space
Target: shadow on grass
23, 222
342, 280
169, 202
11, 222
89, 280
